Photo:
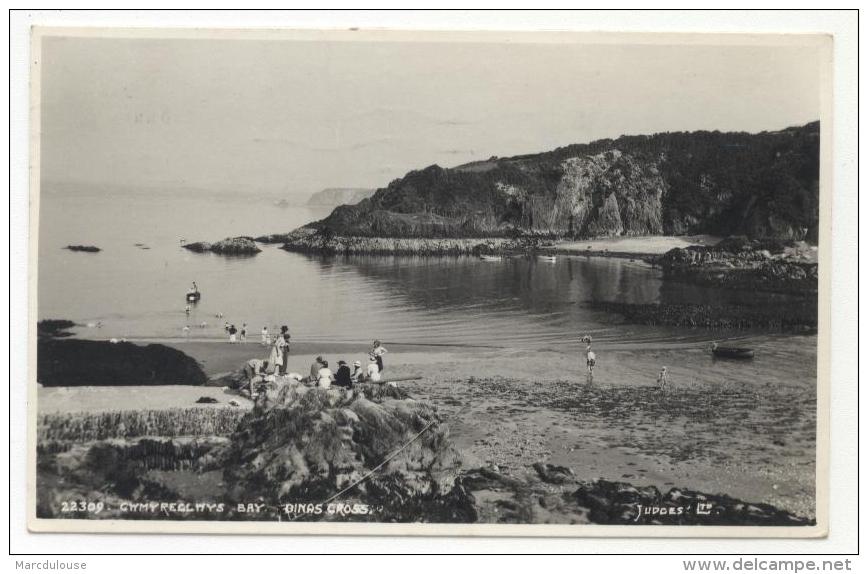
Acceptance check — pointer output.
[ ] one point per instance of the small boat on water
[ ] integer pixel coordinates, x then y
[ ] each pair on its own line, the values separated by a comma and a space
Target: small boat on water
731, 352
193, 296
491, 257
548, 258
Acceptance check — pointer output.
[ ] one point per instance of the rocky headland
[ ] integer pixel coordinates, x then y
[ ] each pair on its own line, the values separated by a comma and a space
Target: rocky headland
334, 196
758, 185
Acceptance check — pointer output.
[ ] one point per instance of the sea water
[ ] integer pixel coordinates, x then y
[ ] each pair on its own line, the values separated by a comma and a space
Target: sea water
135, 287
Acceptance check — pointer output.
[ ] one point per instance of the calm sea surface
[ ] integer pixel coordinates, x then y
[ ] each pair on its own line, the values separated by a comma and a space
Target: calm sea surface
138, 291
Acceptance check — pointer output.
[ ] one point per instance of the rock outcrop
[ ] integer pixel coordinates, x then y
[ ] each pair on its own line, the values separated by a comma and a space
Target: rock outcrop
228, 246
742, 264
76, 362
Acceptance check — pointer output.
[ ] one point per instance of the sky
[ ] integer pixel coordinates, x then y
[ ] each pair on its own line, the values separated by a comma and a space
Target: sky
292, 117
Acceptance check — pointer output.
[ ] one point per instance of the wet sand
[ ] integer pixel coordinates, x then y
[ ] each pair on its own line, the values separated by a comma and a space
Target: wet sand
745, 429
638, 246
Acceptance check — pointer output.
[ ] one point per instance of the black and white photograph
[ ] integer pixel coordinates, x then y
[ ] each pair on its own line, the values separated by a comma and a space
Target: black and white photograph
429, 283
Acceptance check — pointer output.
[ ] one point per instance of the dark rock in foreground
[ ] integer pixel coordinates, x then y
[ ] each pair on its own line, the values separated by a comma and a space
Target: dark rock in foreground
304, 445
300, 446
228, 246
76, 362
615, 503
623, 503
84, 248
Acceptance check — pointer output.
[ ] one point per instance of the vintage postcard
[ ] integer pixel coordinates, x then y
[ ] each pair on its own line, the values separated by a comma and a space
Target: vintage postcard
429, 283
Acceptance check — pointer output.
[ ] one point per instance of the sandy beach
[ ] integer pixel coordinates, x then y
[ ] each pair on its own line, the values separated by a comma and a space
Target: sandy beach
633, 246
722, 428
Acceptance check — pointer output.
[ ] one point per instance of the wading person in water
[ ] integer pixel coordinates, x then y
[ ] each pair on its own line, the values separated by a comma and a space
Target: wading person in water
232, 331
378, 351
243, 332
264, 336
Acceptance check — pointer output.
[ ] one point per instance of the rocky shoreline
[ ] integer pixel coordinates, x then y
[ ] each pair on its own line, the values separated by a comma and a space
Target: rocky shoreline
740, 263
309, 241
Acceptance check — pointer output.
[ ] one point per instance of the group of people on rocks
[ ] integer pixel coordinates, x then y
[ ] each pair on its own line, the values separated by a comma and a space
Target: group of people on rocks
321, 374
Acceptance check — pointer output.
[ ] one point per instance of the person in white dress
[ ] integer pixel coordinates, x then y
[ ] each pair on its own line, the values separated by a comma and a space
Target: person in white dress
276, 357
373, 370
325, 377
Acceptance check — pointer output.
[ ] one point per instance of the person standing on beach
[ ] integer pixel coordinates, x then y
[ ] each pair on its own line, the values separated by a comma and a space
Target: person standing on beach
378, 351
663, 379
232, 331
285, 350
243, 332
276, 357
264, 336
591, 362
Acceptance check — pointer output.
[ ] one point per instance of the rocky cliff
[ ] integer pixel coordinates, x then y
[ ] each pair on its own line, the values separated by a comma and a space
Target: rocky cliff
759, 185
